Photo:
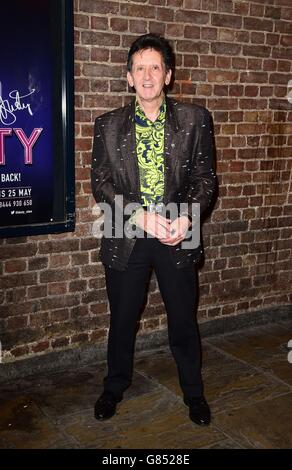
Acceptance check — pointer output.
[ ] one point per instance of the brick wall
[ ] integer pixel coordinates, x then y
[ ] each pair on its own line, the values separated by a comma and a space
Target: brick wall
233, 57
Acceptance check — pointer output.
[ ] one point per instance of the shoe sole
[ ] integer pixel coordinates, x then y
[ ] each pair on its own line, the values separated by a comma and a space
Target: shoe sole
104, 418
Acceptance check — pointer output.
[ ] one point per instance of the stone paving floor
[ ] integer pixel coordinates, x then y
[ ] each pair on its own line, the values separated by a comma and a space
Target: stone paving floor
248, 383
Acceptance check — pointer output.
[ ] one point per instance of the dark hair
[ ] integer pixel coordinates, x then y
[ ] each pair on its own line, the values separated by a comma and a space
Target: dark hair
156, 42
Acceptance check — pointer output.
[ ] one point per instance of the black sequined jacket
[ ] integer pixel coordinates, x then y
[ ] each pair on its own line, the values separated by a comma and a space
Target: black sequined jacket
188, 166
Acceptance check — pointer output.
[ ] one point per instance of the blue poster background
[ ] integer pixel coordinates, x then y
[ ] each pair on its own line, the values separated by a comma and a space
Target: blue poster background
26, 67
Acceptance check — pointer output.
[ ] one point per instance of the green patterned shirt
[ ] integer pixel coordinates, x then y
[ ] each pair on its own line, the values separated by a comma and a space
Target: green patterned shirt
150, 153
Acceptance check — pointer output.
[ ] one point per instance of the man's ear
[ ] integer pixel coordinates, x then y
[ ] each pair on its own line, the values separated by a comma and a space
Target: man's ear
168, 77
130, 79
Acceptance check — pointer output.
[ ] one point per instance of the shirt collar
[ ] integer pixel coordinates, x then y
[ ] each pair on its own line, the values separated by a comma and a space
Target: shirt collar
140, 115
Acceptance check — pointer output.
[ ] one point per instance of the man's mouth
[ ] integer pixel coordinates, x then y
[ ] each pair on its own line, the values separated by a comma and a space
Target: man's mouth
147, 85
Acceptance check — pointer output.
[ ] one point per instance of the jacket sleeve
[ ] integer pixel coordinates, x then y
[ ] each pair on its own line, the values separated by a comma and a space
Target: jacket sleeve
103, 186
101, 178
203, 180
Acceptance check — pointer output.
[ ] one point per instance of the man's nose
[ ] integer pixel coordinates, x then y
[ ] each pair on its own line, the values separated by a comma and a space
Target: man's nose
147, 73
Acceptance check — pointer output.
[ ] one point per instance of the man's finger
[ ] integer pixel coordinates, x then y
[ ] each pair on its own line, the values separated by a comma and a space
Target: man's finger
171, 241
163, 221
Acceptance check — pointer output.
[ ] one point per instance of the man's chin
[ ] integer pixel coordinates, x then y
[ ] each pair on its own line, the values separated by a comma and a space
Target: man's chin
149, 96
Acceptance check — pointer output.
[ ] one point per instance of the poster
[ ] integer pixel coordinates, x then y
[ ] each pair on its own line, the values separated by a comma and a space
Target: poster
36, 117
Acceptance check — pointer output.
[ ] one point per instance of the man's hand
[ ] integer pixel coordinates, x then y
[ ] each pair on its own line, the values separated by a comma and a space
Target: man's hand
154, 224
178, 230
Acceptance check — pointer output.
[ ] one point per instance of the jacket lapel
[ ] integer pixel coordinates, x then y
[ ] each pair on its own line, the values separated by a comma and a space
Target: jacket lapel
172, 144
128, 150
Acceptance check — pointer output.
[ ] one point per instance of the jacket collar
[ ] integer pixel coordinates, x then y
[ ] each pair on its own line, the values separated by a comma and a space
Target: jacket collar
171, 116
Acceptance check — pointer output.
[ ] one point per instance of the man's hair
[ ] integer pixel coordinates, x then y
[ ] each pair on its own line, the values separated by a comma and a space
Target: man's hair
156, 42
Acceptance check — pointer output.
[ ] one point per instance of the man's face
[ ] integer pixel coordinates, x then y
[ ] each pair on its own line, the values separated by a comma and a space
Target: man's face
148, 75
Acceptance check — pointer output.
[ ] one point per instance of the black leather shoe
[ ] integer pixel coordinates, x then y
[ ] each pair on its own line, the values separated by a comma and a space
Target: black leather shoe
199, 411
106, 406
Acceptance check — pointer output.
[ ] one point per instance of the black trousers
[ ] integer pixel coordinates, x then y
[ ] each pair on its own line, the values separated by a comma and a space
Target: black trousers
126, 292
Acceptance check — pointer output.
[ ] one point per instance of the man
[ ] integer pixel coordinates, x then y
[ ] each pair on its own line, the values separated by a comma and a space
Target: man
153, 152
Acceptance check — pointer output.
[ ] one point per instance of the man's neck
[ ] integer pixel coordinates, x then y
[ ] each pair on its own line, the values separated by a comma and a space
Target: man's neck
151, 109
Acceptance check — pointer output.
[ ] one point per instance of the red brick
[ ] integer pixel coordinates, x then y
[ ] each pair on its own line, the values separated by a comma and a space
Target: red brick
55, 275
284, 65
205, 61
189, 16
279, 78
58, 246
57, 288
15, 280
103, 39
282, 53
286, 41
226, 35
81, 53
203, 89
60, 343
118, 86
223, 62
223, 103
17, 251
14, 266
99, 54
192, 4
186, 75
40, 347
98, 6
57, 302
226, 48
15, 323
190, 60
139, 11
99, 22
192, 32
253, 77
59, 315
220, 90
257, 24
287, 14
81, 21
15, 295
235, 90
102, 70
80, 337
20, 351
138, 27
39, 319
224, 5
226, 21
241, 8
165, 14
119, 24
257, 38
193, 47
36, 292
209, 33
222, 76
174, 30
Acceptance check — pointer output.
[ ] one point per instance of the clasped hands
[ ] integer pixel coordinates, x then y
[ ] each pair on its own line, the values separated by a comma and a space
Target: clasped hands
166, 231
